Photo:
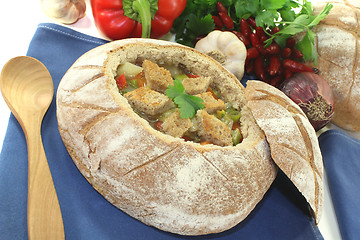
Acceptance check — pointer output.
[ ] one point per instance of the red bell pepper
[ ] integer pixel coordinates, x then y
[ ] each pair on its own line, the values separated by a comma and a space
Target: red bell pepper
119, 19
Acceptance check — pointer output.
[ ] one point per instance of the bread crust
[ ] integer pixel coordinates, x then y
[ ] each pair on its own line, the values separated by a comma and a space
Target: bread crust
292, 139
163, 181
338, 46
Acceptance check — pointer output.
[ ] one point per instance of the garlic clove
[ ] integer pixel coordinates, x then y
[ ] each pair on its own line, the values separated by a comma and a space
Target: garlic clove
64, 11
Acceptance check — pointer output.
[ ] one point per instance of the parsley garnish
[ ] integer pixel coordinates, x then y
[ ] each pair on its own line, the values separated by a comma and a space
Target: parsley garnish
188, 104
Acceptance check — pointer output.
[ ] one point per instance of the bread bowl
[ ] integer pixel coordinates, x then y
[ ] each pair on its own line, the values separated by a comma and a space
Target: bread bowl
338, 39
171, 184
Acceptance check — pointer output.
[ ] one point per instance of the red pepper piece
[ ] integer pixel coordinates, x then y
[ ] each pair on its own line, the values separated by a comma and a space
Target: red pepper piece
242, 38
158, 125
227, 20
286, 52
251, 21
297, 54
295, 67
274, 48
252, 53
221, 8
140, 79
260, 68
121, 82
217, 21
210, 90
274, 65
192, 76
245, 28
115, 23
290, 43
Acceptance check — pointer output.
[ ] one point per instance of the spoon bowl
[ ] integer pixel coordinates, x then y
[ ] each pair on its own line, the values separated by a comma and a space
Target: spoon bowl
28, 90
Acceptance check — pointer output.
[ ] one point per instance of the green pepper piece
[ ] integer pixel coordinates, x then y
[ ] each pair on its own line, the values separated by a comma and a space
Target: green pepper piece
236, 136
233, 114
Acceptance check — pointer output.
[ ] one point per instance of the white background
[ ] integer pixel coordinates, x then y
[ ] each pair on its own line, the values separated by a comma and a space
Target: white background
18, 22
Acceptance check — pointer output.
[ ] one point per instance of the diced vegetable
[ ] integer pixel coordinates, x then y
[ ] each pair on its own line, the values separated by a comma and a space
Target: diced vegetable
180, 76
121, 82
233, 114
130, 70
236, 136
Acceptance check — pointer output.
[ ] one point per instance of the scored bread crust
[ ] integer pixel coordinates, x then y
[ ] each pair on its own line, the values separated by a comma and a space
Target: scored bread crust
176, 186
338, 47
292, 139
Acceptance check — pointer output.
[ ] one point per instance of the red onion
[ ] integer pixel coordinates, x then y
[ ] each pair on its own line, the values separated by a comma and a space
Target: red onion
314, 96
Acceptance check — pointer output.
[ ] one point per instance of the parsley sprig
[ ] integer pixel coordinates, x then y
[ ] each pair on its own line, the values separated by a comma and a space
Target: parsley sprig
188, 104
304, 21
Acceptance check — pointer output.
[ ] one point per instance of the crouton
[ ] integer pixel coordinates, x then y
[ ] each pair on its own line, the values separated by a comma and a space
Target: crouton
211, 104
196, 85
148, 101
176, 126
158, 78
212, 129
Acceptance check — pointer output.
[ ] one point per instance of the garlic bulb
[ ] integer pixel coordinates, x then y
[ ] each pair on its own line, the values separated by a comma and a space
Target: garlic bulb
226, 48
64, 11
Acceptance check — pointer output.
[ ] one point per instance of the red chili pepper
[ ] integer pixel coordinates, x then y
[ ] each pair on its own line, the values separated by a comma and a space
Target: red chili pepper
217, 21
118, 19
275, 30
252, 53
297, 54
251, 21
242, 38
274, 48
249, 66
274, 65
227, 20
260, 32
121, 82
221, 8
276, 81
260, 68
294, 66
287, 74
245, 28
254, 39
286, 53
290, 43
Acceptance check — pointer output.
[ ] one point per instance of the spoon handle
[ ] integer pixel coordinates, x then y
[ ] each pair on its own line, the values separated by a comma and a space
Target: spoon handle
44, 214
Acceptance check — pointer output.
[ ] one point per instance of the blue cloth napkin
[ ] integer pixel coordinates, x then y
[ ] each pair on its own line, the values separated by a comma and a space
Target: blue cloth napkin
341, 154
282, 214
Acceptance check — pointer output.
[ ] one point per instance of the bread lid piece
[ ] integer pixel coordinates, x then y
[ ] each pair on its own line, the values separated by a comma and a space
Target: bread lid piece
163, 181
293, 142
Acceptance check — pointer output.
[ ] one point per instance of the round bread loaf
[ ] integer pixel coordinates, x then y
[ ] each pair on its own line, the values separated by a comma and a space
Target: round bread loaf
338, 46
163, 181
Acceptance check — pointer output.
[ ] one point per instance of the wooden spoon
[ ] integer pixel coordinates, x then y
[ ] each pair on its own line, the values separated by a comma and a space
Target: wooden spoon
27, 88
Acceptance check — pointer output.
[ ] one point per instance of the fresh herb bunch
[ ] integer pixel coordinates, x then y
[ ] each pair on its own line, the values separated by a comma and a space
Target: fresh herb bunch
291, 16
